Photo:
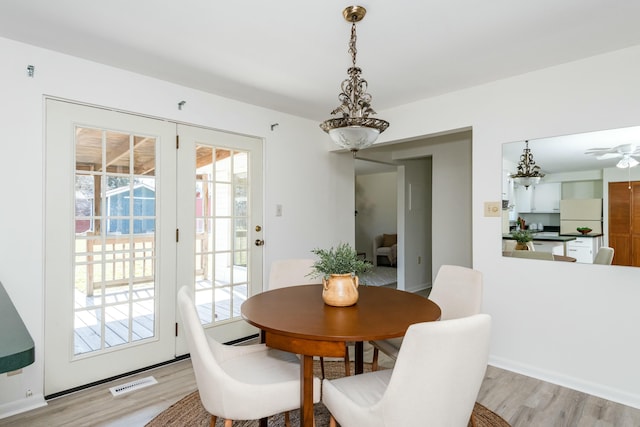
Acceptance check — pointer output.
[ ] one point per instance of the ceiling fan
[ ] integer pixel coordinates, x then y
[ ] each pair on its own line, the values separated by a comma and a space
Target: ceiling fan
625, 152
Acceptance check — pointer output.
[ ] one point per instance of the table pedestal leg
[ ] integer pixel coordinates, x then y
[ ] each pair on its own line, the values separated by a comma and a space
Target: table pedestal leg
359, 357
306, 391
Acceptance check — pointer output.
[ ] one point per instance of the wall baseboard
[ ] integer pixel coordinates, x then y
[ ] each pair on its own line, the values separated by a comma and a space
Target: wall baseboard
594, 389
22, 405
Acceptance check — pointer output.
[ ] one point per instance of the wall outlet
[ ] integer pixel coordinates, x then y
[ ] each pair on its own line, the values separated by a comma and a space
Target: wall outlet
492, 208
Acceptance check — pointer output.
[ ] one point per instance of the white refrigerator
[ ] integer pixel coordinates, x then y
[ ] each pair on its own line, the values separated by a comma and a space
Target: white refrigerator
576, 213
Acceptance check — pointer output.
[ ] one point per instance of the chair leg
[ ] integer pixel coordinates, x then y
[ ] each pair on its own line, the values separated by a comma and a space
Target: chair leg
287, 420
347, 363
322, 367
228, 423
213, 421
374, 361
332, 421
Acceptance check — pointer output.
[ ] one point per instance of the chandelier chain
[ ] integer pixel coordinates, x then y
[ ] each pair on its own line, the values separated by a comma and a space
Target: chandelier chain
352, 44
355, 102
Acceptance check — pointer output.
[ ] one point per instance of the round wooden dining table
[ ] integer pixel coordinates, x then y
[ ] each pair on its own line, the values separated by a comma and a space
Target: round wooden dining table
297, 320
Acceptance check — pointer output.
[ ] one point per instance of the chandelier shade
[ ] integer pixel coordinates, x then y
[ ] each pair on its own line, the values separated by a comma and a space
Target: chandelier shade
627, 162
354, 130
528, 172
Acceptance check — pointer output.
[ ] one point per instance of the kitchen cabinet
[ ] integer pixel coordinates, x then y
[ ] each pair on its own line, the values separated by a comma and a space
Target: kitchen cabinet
546, 198
524, 199
582, 189
584, 249
543, 198
556, 248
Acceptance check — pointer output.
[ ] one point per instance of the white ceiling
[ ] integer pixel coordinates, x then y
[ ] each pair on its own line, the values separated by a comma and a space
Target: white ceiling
567, 153
291, 55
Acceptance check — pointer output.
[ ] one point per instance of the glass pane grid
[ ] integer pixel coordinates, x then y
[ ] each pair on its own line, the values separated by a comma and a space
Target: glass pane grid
114, 281
221, 253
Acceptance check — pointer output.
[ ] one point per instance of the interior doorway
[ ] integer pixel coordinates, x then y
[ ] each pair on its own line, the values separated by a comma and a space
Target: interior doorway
434, 197
376, 202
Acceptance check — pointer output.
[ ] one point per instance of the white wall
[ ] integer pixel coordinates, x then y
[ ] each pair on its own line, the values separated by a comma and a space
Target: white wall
314, 186
576, 325
376, 203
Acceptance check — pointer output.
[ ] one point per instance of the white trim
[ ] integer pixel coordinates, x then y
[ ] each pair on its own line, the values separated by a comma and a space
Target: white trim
594, 389
23, 405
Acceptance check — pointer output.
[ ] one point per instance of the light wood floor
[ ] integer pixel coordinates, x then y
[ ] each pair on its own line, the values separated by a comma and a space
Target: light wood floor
521, 400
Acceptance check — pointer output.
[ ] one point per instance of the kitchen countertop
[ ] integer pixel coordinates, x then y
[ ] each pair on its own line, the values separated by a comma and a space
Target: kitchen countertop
584, 235
547, 238
17, 350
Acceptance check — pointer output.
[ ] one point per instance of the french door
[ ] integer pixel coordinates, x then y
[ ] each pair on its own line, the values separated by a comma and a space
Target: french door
219, 222
109, 242
123, 232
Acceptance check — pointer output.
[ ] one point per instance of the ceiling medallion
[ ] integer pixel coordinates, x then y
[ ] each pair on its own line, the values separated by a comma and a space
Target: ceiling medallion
355, 129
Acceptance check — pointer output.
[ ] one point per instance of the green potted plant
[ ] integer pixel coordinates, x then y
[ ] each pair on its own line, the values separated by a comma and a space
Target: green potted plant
339, 268
522, 237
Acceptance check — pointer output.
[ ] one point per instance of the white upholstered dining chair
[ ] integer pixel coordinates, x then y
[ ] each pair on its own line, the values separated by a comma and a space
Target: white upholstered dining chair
295, 271
240, 382
457, 291
435, 380
604, 256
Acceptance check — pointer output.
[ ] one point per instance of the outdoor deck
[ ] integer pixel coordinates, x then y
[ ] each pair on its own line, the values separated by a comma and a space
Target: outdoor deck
87, 331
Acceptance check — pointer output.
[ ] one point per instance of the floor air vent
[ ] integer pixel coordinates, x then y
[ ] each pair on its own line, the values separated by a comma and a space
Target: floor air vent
132, 386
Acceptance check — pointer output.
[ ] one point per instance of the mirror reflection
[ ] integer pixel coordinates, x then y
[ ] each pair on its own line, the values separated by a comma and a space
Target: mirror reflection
573, 198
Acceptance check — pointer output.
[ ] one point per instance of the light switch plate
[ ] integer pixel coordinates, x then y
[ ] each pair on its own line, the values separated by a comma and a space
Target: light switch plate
492, 208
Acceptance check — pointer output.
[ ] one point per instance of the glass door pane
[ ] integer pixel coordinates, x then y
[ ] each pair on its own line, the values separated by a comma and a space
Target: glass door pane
115, 222
221, 252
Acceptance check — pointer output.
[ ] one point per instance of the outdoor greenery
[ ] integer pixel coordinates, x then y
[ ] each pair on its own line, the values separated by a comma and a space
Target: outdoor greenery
341, 260
522, 236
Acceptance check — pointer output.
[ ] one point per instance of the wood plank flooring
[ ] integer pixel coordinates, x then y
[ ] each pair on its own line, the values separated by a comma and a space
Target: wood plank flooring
521, 400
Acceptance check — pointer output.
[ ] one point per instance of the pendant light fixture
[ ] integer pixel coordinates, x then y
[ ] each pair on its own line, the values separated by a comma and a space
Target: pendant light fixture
627, 162
528, 172
355, 129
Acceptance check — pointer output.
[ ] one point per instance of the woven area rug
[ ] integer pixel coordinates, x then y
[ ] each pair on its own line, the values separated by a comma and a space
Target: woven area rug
188, 411
380, 276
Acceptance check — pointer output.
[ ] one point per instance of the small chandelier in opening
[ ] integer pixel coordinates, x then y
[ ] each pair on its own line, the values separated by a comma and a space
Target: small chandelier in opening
528, 172
355, 129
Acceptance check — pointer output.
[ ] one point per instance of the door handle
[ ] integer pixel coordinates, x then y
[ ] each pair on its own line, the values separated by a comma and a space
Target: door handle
259, 242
